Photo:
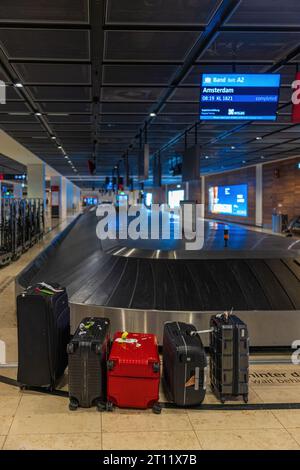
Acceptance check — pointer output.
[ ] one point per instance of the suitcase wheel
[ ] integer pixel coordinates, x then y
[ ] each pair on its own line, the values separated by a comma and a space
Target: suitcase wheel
101, 406
245, 397
222, 399
156, 367
156, 409
73, 405
109, 406
70, 348
110, 365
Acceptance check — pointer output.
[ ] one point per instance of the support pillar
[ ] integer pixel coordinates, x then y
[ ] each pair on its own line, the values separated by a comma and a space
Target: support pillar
36, 180
259, 196
59, 197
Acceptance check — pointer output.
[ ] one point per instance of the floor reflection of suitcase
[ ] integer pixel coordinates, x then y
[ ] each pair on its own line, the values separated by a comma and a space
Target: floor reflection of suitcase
184, 362
133, 372
229, 363
88, 354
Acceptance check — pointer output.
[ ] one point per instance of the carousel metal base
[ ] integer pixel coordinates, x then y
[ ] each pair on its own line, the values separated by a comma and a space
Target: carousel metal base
266, 328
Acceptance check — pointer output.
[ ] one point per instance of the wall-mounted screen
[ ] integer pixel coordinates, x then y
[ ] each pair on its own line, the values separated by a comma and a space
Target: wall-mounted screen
229, 200
239, 96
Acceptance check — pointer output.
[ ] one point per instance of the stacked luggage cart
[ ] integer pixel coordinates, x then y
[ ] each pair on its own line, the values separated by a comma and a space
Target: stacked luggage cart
21, 226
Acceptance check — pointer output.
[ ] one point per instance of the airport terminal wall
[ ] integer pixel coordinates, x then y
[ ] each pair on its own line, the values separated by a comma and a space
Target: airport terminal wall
139, 289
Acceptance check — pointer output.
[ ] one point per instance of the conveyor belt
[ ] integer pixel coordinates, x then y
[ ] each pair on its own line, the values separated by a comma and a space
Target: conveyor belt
92, 276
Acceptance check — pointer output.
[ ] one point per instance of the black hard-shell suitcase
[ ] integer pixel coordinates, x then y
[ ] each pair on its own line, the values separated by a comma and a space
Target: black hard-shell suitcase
88, 354
184, 364
229, 363
43, 318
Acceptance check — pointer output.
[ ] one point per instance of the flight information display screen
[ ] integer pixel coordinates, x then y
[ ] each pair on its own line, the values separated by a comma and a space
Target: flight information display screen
239, 96
229, 200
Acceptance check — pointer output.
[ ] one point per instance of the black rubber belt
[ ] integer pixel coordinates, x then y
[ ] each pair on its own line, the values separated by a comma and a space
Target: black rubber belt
166, 405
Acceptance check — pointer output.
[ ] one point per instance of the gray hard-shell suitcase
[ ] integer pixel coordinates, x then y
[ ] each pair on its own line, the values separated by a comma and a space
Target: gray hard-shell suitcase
88, 353
229, 357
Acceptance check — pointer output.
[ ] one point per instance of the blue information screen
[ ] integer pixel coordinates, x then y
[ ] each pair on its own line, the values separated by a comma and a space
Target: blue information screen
229, 200
239, 96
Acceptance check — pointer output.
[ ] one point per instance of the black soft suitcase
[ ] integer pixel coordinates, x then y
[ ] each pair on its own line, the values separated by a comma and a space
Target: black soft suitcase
229, 363
88, 354
184, 364
43, 317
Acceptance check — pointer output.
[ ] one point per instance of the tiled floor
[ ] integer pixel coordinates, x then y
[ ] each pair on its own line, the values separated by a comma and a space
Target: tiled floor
30, 420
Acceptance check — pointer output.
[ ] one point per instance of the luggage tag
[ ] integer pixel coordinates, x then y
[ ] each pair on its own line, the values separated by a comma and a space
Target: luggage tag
124, 339
50, 288
43, 291
84, 327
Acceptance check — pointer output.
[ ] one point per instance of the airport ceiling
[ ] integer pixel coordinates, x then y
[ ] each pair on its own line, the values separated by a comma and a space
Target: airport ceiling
95, 70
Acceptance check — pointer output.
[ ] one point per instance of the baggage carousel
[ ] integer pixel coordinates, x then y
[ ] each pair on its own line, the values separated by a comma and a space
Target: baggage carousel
141, 284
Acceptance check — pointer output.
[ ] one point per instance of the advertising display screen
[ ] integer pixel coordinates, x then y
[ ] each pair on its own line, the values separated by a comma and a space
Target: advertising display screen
229, 200
239, 96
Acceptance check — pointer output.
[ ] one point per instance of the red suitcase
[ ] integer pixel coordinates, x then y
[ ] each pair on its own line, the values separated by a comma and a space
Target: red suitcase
133, 372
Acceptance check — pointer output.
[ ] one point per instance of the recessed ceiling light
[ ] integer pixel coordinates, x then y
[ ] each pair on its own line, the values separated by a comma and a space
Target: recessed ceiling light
66, 156
244, 161
258, 138
152, 114
262, 157
37, 114
53, 137
232, 147
206, 157
59, 147
18, 85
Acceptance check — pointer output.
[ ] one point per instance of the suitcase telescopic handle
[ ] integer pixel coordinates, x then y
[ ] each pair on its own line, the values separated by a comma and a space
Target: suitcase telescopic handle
200, 332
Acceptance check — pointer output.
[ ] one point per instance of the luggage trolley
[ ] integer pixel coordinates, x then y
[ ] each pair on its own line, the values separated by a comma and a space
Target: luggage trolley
5, 234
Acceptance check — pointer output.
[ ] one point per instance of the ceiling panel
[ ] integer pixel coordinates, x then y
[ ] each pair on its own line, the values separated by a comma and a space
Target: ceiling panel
267, 12
130, 94
147, 45
126, 108
237, 46
161, 11
45, 44
54, 74
71, 93
137, 74
64, 11
14, 107
59, 109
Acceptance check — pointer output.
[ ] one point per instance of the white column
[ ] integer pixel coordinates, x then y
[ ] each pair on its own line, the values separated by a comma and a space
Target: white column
63, 192
187, 191
77, 195
60, 183
70, 197
36, 180
259, 196
203, 196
